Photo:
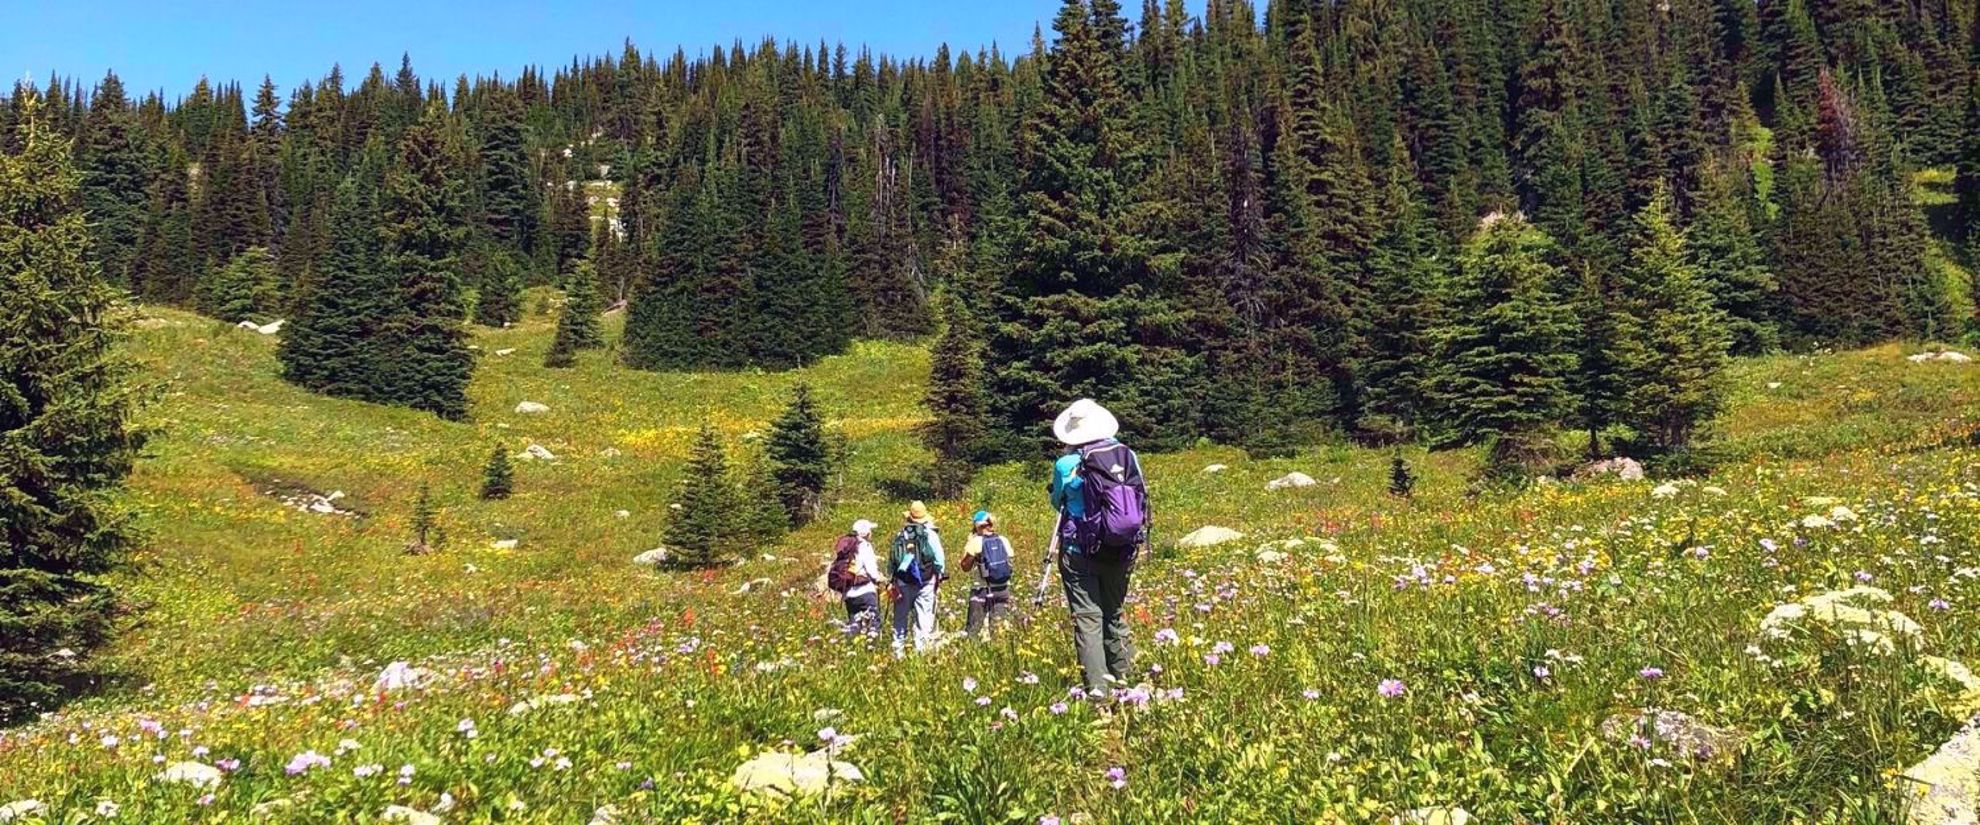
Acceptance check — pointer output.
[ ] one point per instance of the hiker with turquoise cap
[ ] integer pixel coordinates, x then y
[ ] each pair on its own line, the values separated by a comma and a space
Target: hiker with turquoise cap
988, 555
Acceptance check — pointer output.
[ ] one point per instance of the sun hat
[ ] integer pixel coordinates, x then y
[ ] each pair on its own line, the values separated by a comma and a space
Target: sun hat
1084, 423
863, 527
981, 518
917, 512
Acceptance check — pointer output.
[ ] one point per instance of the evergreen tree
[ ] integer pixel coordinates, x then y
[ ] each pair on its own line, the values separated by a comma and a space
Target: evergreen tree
1725, 250
332, 345
1402, 482
577, 322
427, 535
498, 479
704, 529
957, 430
427, 364
243, 290
1507, 357
760, 518
115, 172
164, 270
1406, 278
1670, 348
509, 199
800, 458
1082, 313
66, 422
499, 301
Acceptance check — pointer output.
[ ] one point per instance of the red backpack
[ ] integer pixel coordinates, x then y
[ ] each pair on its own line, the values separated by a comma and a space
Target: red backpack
840, 576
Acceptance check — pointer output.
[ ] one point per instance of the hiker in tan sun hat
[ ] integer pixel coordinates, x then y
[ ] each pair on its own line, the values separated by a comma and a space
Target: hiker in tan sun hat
916, 567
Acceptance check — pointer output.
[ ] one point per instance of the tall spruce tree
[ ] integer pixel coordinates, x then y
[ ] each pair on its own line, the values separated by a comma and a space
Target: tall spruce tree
65, 418
332, 346
704, 529
957, 432
1083, 312
115, 174
800, 457
1506, 356
1670, 351
510, 202
427, 362
577, 322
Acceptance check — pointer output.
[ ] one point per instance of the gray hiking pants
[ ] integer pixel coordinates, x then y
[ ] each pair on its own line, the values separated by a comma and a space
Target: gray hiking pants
1096, 591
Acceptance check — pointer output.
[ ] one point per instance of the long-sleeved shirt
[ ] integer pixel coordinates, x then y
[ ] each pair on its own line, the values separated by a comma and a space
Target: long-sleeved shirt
864, 564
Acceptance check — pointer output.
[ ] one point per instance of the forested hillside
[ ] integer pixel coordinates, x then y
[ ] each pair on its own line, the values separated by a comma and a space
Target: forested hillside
1254, 224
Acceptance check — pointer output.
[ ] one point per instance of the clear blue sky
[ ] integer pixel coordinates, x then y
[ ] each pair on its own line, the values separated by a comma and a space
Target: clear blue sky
169, 44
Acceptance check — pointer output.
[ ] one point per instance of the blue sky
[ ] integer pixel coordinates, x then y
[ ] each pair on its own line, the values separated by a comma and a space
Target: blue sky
168, 44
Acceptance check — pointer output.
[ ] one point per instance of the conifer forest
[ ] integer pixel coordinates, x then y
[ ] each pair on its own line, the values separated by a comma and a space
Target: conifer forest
1391, 220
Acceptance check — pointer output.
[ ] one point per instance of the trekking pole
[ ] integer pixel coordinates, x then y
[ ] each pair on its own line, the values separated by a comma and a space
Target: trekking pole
1051, 555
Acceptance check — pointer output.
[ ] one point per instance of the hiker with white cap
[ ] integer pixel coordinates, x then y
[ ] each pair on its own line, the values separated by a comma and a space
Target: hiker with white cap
853, 575
916, 567
988, 555
1102, 501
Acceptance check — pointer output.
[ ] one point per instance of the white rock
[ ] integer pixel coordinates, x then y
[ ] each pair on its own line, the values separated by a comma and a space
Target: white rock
506, 352
1944, 789
1944, 356
1773, 385
410, 816
1840, 513
532, 408
622, 514
504, 544
21, 809
1625, 469
198, 775
401, 676
1665, 490
1291, 480
1209, 536
605, 815
270, 328
752, 584
241, 325
1269, 556
1433, 816
653, 557
539, 452
1816, 522
1216, 468
610, 452
541, 702
784, 775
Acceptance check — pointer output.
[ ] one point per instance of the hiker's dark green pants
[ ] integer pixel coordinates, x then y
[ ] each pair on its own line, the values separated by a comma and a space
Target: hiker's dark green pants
1096, 591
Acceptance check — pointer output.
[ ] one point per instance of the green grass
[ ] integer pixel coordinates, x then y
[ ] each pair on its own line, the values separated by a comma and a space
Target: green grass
679, 676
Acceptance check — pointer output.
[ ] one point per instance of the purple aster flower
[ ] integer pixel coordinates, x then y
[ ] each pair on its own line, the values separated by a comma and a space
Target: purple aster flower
1059, 708
1167, 636
1260, 650
1864, 576
1651, 673
1310, 694
1049, 819
1939, 604
1117, 777
1212, 659
1391, 688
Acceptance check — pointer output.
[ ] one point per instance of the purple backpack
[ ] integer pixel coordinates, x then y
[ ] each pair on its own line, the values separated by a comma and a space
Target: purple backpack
1115, 523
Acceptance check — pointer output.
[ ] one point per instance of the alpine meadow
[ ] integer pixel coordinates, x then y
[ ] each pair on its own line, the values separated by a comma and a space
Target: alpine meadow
1410, 412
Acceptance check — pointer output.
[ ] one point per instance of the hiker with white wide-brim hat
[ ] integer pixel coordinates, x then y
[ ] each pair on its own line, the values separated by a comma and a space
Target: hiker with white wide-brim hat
1102, 501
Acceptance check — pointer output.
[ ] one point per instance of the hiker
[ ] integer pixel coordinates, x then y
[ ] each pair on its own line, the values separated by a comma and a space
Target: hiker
916, 567
988, 555
853, 574
1103, 523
